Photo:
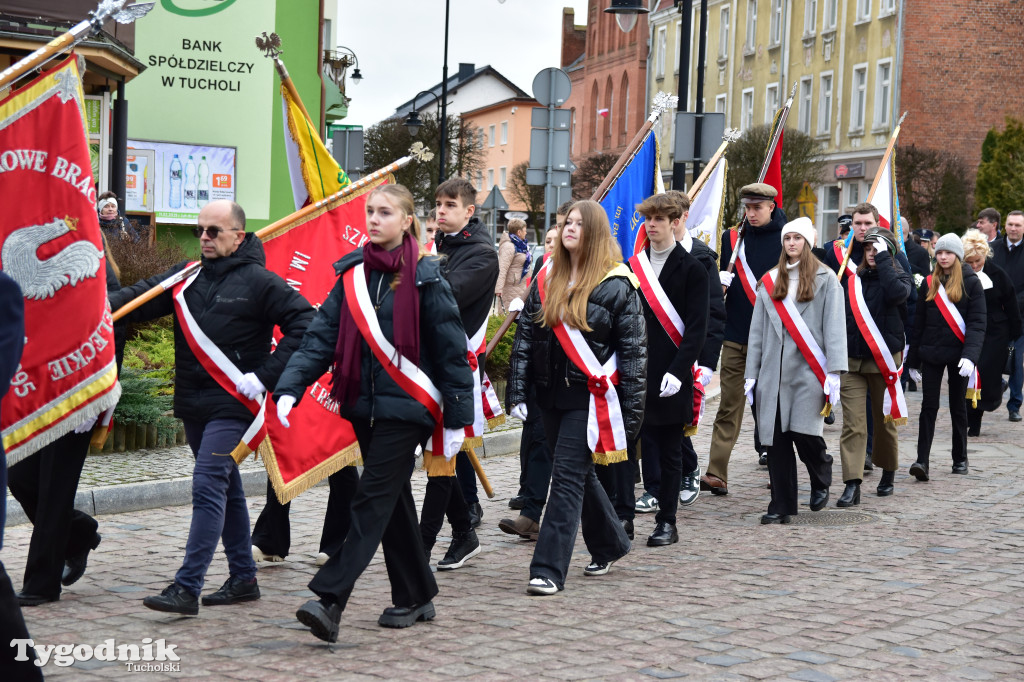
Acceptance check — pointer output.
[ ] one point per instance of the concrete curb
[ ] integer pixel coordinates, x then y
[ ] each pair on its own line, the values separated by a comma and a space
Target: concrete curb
127, 497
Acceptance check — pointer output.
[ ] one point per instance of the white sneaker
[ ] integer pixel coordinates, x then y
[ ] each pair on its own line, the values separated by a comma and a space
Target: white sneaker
322, 558
647, 504
258, 556
595, 568
542, 586
689, 490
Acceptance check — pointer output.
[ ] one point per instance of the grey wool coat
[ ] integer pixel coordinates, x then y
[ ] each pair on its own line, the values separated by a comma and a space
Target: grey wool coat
784, 379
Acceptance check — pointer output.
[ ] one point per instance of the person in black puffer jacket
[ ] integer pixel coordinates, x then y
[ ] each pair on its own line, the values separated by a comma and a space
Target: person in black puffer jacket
236, 302
416, 315
885, 286
936, 347
607, 312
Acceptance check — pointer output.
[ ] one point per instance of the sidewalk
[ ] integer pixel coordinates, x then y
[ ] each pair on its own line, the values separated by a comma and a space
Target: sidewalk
144, 479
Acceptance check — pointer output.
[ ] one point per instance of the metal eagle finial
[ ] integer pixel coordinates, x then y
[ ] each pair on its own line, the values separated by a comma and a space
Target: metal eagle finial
420, 152
270, 45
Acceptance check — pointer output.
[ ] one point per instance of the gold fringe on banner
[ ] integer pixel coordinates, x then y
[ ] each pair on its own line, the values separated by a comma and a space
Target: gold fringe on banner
472, 442
496, 421
898, 422
438, 466
606, 458
286, 492
690, 430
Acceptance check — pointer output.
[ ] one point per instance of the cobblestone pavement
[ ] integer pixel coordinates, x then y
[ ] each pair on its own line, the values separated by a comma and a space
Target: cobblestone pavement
926, 583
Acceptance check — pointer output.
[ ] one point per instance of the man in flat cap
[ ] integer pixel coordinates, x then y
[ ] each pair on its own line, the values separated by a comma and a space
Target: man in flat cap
758, 253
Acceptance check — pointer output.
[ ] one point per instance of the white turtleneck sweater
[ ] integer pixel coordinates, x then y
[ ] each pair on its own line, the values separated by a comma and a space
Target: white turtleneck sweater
658, 258
793, 270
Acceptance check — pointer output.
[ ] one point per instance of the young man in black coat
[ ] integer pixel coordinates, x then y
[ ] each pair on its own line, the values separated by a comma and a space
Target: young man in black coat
470, 264
236, 302
673, 287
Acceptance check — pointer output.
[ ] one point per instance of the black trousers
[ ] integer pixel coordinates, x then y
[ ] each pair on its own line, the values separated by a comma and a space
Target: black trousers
466, 474
12, 626
383, 513
45, 484
442, 496
272, 532
619, 481
782, 466
931, 375
664, 443
651, 466
536, 476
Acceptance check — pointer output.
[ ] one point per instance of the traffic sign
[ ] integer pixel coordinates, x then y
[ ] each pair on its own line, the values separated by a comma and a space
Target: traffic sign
539, 176
559, 148
551, 87
495, 200
539, 118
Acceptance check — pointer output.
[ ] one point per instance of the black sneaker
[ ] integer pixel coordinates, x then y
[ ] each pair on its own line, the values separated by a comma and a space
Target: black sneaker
174, 599
464, 547
234, 591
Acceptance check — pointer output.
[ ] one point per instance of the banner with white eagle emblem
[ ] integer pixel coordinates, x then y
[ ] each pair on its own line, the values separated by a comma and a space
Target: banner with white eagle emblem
50, 245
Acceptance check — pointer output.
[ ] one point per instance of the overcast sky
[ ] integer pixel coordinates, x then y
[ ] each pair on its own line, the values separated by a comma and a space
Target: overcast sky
400, 45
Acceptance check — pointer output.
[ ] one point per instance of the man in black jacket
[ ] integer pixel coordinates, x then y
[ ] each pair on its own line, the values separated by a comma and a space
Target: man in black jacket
470, 264
1007, 254
235, 302
760, 250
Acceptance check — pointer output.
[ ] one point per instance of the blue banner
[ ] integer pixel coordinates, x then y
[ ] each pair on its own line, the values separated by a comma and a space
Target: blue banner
635, 184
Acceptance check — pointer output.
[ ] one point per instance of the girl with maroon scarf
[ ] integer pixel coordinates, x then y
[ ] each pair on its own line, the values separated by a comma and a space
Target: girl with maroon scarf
416, 312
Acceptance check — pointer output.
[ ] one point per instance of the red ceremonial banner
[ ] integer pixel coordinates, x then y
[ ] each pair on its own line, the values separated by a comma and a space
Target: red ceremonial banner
50, 244
319, 442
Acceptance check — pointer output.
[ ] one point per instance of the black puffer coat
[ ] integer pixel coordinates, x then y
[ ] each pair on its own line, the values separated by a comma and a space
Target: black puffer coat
762, 246
886, 288
616, 318
237, 302
934, 341
470, 264
442, 351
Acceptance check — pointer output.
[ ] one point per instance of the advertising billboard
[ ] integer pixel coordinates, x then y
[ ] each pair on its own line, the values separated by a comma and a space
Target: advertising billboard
177, 180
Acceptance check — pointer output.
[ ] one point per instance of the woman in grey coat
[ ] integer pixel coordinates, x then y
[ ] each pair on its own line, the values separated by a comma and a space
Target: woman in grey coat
780, 381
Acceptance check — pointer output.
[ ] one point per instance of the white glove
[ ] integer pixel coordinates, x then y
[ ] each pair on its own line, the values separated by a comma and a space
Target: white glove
704, 375
86, 426
966, 367
748, 389
831, 388
519, 412
725, 278
453, 439
516, 305
670, 385
285, 404
250, 386
915, 375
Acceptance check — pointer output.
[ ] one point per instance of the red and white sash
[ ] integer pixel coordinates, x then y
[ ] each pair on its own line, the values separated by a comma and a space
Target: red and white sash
956, 322
672, 323
746, 275
606, 431
797, 328
223, 371
401, 369
894, 404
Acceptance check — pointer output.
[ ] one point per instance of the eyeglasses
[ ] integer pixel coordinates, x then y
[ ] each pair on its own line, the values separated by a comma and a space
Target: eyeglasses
212, 231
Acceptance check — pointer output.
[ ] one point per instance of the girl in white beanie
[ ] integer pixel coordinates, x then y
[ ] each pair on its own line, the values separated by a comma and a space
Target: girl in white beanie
795, 354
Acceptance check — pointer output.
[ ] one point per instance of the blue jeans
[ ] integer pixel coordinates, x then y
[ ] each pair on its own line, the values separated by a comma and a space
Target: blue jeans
218, 504
1016, 380
575, 493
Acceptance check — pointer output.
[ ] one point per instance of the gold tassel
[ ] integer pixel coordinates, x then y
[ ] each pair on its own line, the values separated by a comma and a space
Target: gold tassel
496, 421
99, 436
898, 422
607, 458
827, 410
472, 442
690, 430
438, 466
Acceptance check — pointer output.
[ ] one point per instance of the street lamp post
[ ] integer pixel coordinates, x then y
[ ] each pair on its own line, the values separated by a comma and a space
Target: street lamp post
413, 123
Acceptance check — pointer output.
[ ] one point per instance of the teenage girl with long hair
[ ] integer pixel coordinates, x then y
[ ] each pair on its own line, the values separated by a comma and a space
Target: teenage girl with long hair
582, 344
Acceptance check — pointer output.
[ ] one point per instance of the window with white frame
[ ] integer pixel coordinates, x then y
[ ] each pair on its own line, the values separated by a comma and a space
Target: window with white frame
490, 177
723, 33
863, 10
858, 97
502, 177
825, 103
720, 102
479, 180
674, 57
747, 109
883, 92
771, 102
504, 132
831, 14
659, 54
886, 8
775, 25
810, 16
490, 135
830, 213
751, 40
804, 118
480, 138
853, 193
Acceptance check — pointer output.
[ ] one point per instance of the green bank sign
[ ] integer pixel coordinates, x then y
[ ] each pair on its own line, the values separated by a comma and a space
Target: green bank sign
195, 8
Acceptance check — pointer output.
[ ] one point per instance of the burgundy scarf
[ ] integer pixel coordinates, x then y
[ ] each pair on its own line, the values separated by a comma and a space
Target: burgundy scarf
405, 318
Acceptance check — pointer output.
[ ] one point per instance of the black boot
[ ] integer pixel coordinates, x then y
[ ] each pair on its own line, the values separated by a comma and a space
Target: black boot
850, 496
464, 547
885, 486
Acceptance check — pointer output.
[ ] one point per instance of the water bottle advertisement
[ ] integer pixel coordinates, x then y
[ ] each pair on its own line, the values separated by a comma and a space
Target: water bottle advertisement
184, 179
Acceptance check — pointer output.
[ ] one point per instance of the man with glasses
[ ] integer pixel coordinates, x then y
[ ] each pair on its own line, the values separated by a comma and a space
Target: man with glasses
224, 317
